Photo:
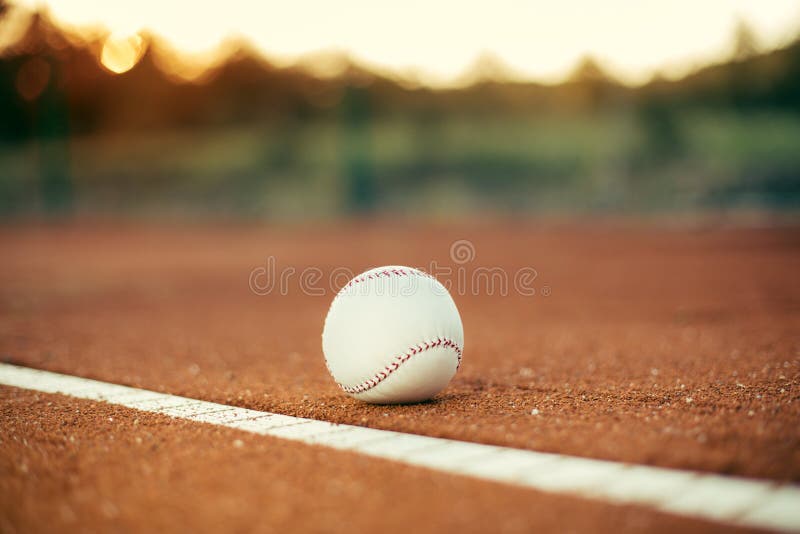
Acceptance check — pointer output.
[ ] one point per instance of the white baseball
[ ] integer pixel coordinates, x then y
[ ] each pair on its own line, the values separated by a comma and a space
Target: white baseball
393, 335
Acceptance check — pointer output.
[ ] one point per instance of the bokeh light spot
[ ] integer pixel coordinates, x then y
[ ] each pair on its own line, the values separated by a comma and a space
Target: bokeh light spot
121, 54
32, 78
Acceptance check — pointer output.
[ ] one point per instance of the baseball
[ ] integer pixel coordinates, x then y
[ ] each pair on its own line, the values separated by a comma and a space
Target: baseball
393, 335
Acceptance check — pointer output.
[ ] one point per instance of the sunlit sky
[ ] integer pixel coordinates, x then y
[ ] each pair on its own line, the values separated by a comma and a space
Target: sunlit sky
436, 41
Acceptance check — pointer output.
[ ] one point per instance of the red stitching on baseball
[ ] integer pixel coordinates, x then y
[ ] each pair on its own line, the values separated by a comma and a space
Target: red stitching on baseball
401, 359
386, 273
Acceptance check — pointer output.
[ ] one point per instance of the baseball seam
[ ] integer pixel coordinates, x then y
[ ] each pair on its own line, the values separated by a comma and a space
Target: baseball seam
399, 360
385, 273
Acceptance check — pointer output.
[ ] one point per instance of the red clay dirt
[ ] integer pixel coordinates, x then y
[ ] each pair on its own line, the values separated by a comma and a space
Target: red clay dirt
674, 346
74, 465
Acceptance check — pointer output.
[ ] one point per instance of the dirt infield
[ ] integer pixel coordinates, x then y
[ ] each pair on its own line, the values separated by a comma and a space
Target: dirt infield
672, 346
76, 465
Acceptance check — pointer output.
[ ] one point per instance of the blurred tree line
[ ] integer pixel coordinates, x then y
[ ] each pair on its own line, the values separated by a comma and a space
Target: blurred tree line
74, 136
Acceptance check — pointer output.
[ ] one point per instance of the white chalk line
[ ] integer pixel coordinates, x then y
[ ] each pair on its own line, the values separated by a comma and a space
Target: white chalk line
732, 500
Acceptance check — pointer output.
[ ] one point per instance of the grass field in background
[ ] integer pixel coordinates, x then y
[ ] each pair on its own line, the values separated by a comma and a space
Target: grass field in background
623, 161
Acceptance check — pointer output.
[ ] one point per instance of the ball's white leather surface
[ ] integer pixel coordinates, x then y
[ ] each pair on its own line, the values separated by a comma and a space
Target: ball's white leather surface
393, 335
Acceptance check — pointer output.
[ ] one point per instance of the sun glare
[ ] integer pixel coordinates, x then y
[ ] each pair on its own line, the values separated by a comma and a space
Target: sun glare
189, 66
439, 41
121, 53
